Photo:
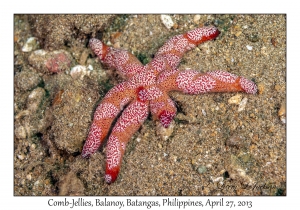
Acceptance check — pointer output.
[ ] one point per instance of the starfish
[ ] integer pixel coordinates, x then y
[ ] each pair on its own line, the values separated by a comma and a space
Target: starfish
146, 89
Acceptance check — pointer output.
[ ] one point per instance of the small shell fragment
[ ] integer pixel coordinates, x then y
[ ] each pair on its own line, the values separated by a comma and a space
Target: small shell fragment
20, 132
196, 19
31, 44
79, 71
90, 67
242, 104
282, 113
167, 21
249, 47
235, 99
21, 156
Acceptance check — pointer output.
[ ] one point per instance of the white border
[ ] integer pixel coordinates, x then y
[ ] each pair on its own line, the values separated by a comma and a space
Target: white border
8, 201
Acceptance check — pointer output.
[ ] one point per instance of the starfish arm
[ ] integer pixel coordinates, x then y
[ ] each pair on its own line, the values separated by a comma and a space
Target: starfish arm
128, 123
193, 82
170, 54
107, 110
121, 60
163, 109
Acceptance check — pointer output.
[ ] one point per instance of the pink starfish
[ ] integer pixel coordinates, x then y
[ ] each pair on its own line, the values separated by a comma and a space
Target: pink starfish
147, 87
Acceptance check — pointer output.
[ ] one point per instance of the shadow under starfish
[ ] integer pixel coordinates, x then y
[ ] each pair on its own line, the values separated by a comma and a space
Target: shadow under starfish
146, 90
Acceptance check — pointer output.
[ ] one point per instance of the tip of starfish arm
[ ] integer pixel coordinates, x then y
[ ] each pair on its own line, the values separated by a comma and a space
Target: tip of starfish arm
93, 42
200, 35
111, 177
212, 33
166, 118
98, 47
108, 178
85, 154
248, 86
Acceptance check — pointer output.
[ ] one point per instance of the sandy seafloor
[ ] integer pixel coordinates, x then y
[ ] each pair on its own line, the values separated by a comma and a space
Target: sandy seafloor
213, 149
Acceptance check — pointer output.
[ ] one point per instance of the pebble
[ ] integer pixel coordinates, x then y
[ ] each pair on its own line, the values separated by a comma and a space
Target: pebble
253, 37
249, 47
39, 52
274, 41
194, 161
237, 167
204, 48
234, 141
59, 61
20, 132
277, 88
261, 88
167, 21
282, 112
21, 156
242, 104
175, 158
196, 19
235, 99
208, 165
236, 30
28, 176
27, 80
264, 51
83, 57
21, 114
32, 146
117, 45
35, 98
114, 37
203, 112
37, 183
90, 67
175, 26
79, 71
50, 62
201, 169
31, 44
238, 33
218, 179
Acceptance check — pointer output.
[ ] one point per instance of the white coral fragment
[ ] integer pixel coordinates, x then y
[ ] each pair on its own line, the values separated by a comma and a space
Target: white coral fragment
79, 71
167, 21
